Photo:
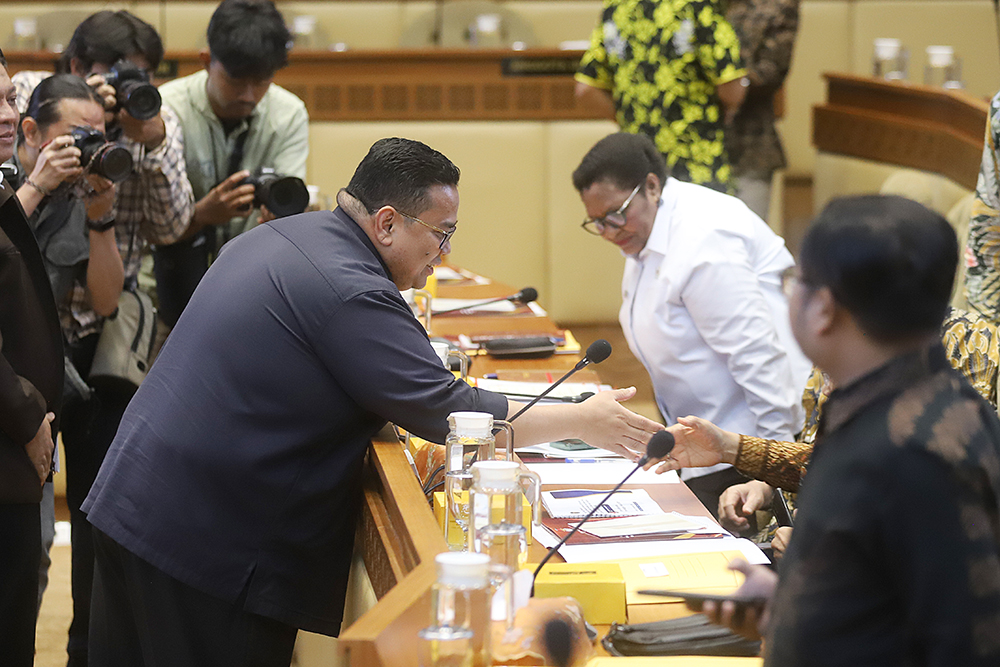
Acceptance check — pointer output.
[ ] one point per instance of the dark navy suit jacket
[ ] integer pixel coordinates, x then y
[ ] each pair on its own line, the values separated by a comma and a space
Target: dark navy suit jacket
237, 465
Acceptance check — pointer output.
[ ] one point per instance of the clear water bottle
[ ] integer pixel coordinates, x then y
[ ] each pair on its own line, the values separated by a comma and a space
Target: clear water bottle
460, 613
495, 521
470, 439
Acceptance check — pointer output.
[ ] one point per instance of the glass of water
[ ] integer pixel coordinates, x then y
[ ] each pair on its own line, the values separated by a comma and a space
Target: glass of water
457, 484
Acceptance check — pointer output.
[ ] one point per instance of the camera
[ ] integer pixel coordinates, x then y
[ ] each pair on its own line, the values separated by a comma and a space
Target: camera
133, 90
101, 157
282, 195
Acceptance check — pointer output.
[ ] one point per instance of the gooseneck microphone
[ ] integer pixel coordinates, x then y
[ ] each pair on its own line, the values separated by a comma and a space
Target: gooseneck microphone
661, 444
598, 351
524, 297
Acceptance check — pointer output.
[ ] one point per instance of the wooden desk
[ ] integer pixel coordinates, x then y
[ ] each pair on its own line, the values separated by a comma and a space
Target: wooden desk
399, 536
900, 123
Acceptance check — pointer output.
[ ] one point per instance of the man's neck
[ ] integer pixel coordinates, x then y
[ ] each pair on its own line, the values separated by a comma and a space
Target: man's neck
852, 361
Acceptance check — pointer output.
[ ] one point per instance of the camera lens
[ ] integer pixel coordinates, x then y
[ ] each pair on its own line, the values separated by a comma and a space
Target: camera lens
112, 162
141, 100
285, 195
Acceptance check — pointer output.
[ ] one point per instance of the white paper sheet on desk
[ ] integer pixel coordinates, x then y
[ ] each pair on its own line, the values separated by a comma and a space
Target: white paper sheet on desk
548, 451
583, 553
447, 274
662, 522
576, 503
609, 471
565, 390
474, 306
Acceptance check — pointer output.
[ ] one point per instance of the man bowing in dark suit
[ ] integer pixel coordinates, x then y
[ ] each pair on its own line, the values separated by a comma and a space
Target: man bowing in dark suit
31, 378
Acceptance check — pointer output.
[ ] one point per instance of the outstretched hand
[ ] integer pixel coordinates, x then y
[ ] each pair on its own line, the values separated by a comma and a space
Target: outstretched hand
610, 425
698, 443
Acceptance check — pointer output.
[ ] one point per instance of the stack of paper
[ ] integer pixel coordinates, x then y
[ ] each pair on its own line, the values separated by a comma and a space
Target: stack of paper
571, 503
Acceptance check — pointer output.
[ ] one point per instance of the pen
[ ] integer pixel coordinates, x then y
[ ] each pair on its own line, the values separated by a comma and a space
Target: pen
582, 460
490, 376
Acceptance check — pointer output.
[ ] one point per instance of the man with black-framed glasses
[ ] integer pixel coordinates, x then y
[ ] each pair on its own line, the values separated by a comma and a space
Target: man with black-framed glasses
702, 304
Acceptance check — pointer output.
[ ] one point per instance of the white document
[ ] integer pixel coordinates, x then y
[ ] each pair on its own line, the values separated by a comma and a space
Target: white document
548, 451
572, 503
605, 471
668, 522
616, 551
475, 306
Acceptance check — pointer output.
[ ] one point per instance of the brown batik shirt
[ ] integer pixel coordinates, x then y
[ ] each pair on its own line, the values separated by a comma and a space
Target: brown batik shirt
896, 553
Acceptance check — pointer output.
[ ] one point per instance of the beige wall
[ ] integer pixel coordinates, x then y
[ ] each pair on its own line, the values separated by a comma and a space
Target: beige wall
520, 215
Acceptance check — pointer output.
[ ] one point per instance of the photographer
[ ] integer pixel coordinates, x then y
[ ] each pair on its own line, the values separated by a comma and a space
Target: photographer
235, 121
152, 205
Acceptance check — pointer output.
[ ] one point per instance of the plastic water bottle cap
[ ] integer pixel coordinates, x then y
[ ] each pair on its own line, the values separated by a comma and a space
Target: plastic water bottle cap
459, 568
940, 56
495, 474
472, 424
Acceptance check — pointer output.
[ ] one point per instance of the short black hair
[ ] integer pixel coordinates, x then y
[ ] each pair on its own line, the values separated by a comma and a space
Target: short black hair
249, 38
621, 158
43, 105
398, 172
888, 260
107, 37
3, 60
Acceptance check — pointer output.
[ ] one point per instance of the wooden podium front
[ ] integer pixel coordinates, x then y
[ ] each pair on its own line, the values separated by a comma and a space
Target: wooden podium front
905, 124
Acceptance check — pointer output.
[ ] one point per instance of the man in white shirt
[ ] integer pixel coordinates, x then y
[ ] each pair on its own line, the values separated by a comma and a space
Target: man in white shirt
702, 306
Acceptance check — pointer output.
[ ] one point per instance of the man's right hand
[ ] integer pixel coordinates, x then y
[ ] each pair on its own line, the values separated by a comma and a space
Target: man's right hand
740, 501
40, 448
225, 201
58, 161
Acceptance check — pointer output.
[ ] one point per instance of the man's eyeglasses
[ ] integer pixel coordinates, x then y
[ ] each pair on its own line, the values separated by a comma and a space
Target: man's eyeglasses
790, 277
448, 233
613, 220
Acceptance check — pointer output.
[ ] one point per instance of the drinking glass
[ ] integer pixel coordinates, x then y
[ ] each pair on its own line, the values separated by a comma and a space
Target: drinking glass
457, 484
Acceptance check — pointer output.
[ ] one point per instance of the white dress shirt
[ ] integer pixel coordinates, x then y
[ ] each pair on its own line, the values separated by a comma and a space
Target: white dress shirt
703, 310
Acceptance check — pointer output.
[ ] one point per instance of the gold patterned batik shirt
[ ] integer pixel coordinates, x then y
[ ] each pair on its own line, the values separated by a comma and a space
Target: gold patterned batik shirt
982, 254
661, 62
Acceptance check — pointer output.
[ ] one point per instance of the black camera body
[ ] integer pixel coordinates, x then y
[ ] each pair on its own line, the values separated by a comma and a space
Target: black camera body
282, 195
101, 157
133, 90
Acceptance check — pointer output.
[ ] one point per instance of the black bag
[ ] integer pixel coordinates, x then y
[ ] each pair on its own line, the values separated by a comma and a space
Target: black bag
179, 268
690, 635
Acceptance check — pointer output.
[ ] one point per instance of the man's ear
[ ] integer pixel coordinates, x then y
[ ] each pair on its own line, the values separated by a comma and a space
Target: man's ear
824, 312
383, 222
205, 58
32, 134
653, 185
76, 68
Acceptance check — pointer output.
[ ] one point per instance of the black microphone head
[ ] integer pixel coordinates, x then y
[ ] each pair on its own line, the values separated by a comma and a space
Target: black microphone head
661, 444
598, 351
527, 295
558, 639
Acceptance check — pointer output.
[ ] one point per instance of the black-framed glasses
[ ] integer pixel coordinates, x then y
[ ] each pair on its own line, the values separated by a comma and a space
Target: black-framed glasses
447, 233
613, 220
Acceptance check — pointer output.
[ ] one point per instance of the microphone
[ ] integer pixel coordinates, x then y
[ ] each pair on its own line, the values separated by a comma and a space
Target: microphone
558, 637
598, 351
525, 296
661, 444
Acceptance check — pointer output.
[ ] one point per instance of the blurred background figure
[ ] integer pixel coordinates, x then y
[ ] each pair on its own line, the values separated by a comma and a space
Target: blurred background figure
670, 71
766, 30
